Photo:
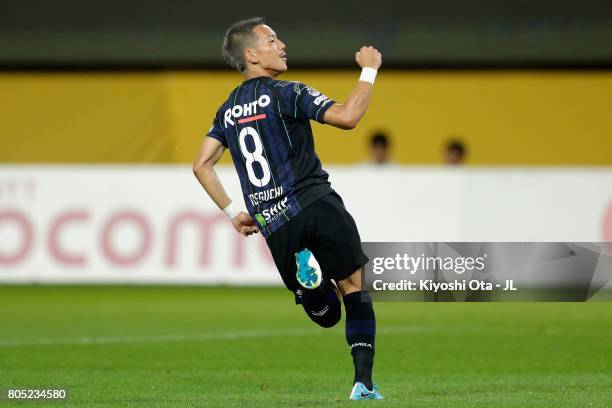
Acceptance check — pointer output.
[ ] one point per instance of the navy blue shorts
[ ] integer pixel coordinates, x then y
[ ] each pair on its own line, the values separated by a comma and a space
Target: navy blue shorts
327, 229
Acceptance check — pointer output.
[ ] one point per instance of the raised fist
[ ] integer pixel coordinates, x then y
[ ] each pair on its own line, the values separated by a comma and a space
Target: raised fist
368, 57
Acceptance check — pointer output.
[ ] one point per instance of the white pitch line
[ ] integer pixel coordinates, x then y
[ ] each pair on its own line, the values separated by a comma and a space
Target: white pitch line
163, 338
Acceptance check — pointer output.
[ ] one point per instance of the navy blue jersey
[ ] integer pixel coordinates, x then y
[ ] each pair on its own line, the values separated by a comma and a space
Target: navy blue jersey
265, 124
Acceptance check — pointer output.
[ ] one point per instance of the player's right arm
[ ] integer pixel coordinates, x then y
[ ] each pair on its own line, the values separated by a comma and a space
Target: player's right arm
346, 115
203, 168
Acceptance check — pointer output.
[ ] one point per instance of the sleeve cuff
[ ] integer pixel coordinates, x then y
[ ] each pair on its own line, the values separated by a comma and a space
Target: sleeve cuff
320, 114
220, 139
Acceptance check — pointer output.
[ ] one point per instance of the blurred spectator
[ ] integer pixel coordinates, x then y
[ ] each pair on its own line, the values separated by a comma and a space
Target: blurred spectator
454, 152
380, 149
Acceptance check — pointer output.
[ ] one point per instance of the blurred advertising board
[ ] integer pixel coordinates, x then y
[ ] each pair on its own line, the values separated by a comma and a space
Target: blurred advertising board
155, 224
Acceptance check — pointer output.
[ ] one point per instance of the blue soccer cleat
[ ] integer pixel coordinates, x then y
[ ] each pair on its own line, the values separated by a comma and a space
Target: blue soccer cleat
308, 270
361, 392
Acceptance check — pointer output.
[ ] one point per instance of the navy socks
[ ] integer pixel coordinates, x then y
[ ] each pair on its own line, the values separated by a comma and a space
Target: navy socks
361, 334
322, 304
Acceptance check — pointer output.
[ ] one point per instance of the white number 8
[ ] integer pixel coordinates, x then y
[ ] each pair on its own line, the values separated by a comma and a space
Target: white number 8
254, 156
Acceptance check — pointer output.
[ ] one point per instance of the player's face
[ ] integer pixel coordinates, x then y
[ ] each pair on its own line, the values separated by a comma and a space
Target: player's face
270, 50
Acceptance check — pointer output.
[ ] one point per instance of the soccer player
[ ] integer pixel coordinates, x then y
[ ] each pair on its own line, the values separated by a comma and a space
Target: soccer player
265, 124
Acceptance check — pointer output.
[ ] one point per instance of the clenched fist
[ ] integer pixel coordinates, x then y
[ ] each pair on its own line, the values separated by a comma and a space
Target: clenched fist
368, 57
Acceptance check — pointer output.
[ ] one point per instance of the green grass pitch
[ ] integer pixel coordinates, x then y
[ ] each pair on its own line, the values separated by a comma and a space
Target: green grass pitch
252, 347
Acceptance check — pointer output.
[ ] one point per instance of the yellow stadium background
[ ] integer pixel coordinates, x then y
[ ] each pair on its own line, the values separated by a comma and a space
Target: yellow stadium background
505, 118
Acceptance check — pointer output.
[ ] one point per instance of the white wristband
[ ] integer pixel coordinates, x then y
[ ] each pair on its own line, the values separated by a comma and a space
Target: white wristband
231, 211
368, 75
